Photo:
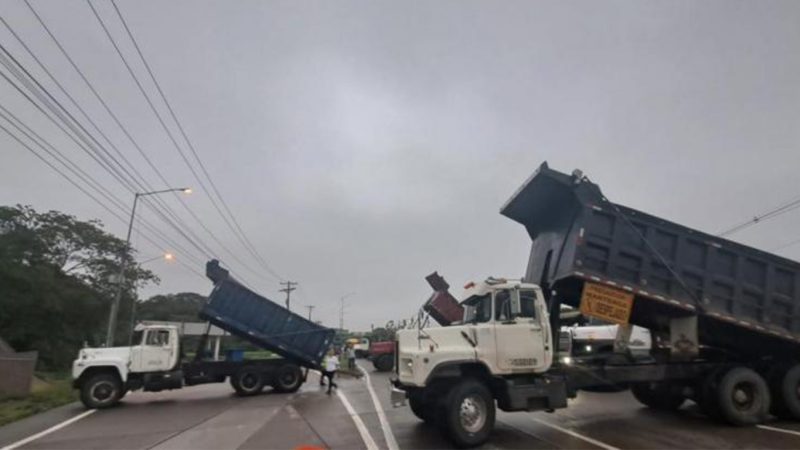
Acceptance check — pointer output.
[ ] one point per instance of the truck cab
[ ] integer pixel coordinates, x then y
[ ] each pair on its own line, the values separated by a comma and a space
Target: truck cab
104, 375
500, 351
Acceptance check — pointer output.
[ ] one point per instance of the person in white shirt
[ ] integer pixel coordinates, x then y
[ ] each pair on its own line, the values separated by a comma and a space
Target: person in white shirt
351, 357
329, 364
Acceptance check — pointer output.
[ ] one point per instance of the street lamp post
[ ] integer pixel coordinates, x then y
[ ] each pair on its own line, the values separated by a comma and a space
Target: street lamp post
112, 315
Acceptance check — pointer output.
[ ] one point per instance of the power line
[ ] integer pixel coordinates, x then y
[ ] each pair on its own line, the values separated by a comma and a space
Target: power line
771, 214
164, 125
207, 250
127, 183
247, 243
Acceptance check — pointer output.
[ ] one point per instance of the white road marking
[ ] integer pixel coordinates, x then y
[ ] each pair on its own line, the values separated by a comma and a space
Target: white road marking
778, 430
391, 442
362, 429
49, 430
575, 434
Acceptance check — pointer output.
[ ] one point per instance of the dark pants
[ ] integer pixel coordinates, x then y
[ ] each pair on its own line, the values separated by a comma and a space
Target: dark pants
351, 363
329, 376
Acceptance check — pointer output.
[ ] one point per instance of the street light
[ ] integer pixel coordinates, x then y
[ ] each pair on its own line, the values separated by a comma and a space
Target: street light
168, 257
112, 314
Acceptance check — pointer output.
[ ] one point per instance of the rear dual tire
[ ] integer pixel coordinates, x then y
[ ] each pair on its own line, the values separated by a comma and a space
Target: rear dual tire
661, 396
288, 378
785, 390
247, 381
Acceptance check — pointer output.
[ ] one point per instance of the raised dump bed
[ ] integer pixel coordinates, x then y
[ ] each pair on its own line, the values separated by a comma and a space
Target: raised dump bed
744, 299
243, 313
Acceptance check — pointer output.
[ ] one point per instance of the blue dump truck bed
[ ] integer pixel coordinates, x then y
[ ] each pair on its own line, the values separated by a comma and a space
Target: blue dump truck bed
245, 314
745, 299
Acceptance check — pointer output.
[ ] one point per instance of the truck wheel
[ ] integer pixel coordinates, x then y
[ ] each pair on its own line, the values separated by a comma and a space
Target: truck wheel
657, 396
743, 397
424, 410
101, 391
786, 393
247, 381
384, 363
288, 378
469, 414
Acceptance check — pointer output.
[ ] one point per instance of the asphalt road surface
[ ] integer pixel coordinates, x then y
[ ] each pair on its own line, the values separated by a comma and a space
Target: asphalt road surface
210, 417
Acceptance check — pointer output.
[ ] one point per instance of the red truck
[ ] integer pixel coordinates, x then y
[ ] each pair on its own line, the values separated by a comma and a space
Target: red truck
382, 355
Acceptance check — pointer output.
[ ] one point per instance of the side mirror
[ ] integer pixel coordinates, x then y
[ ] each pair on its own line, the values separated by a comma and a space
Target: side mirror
516, 304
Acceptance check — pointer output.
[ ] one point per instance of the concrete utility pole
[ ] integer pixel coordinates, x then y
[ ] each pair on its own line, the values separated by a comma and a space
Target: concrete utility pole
310, 308
290, 286
341, 310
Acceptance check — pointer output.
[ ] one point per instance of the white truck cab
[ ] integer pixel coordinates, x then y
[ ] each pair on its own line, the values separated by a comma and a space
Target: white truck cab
498, 315
499, 352
104, 375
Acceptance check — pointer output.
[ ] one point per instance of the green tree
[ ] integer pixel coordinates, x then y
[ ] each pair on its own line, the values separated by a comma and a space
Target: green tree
181, 307
57, 279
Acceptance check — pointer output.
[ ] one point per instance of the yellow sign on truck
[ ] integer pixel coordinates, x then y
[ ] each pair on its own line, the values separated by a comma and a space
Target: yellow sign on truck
606, 303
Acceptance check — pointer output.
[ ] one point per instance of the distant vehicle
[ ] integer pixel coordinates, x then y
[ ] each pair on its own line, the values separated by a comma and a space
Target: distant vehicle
723, 319
382, 355
360, 345
154, 363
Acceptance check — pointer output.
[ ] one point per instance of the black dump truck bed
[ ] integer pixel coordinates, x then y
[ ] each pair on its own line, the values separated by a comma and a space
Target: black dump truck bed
243, 313
744, 299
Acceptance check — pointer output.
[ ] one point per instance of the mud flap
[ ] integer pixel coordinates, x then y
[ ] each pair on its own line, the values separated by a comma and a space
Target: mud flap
683, 337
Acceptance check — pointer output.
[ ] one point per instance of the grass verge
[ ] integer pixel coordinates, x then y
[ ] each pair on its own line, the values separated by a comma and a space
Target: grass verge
48, 392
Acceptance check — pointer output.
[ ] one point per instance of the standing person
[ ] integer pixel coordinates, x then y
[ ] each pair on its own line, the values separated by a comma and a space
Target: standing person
351, 357
330, 364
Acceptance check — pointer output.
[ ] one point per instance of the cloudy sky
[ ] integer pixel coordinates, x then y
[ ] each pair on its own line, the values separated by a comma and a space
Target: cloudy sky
362, 145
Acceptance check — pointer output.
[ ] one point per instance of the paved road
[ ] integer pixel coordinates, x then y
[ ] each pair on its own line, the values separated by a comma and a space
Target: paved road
210, 417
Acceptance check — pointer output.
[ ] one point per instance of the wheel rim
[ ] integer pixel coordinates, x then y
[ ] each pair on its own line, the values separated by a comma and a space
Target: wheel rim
288, 379
743, 396
249, 381
103, 392
472, 413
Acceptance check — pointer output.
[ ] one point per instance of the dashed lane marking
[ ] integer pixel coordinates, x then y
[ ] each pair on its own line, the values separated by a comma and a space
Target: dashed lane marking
391, 442
778, 430
49, 430
575, 434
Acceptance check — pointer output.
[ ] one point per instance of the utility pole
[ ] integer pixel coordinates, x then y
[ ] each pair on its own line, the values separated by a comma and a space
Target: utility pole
341, 315
310, 308
290, 286
341, 310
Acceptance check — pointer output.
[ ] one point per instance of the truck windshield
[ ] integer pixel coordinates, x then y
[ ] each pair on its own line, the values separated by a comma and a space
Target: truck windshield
478, 309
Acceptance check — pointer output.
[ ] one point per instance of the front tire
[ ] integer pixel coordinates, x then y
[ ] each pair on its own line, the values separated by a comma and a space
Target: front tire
247, 381
469, 414
743, 397
102, 390
288, 378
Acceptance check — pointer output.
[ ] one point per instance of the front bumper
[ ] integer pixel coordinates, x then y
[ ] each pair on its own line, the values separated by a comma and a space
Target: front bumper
398, 396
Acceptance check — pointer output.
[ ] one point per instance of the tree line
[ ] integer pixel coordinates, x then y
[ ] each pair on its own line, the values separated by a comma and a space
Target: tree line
58, 276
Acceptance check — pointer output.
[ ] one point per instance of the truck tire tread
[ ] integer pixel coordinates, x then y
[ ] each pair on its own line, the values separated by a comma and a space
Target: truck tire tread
743, 397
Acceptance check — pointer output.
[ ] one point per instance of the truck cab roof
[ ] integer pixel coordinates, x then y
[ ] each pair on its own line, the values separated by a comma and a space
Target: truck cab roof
482, 288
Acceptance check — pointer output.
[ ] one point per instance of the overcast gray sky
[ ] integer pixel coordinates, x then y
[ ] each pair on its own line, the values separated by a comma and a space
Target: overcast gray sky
362, 145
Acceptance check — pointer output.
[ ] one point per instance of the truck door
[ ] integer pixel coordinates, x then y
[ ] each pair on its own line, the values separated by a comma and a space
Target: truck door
522, 342
157, 351
480, 327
